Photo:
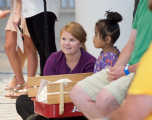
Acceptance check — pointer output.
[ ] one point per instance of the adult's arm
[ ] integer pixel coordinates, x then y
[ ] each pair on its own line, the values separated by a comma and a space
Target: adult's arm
17, 14
127, 50
3, 14
133, 68
136, 107
118, 70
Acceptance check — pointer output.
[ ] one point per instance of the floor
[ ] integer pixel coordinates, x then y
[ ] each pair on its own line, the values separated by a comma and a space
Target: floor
7, 105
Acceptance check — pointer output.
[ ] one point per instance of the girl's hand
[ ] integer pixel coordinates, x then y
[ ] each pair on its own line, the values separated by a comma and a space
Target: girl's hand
3, 14
16, 20
115, 73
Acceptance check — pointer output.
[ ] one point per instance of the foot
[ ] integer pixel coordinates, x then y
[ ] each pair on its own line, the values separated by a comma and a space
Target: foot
11, 85
16, 90
21, 92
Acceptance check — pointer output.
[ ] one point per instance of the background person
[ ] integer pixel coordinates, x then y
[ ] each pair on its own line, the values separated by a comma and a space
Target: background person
33, 11
138, 105
72, 59
17, 59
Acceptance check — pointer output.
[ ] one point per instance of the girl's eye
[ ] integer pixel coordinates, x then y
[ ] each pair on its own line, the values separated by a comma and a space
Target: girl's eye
63, 38
96, 35
72, 39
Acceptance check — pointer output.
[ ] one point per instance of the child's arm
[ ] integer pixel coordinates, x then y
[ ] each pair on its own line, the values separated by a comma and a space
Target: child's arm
3, 14
17, 14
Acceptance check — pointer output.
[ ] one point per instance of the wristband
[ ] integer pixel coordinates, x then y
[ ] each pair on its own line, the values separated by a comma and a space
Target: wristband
126, 69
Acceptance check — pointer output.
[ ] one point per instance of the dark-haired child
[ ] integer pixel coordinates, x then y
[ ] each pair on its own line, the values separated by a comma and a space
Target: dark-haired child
107, 31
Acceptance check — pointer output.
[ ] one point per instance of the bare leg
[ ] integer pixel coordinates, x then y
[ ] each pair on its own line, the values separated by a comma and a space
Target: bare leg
22, 56
10, 48
106, 102
84, 103
103, 106
31, 55
22, 59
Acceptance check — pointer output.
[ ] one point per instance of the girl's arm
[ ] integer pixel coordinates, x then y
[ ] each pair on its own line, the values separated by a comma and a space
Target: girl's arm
17, 14
3, 14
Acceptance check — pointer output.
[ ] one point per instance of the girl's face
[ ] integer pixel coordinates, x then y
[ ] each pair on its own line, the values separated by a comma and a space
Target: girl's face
69, 44
97, 40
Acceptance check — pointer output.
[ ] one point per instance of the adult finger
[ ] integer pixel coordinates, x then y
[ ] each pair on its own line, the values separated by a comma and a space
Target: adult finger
110, 73
6, 12
111, 68
111, 78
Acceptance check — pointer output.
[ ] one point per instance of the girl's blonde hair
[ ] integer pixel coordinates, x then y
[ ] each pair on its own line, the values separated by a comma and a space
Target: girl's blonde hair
77, 31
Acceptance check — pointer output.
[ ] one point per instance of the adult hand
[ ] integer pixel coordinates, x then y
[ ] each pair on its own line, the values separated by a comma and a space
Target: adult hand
115, 72
3, 14
16, 20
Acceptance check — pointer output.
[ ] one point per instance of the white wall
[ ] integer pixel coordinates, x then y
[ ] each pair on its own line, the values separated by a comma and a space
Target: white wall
88, 12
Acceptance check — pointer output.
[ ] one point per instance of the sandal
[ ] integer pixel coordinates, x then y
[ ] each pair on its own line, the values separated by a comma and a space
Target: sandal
23, 92
15, 91
9, 87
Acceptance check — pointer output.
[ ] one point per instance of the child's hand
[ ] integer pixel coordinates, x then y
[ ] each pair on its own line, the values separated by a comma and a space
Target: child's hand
115, 72
3, 14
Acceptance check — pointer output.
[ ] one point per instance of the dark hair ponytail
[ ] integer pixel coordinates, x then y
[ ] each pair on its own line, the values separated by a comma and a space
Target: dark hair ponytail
110, 26
113, 17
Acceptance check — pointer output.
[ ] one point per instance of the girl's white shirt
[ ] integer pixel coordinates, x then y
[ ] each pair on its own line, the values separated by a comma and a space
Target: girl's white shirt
33, 7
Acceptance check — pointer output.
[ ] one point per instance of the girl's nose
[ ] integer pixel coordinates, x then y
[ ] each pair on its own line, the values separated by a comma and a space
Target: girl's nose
93, 37
67, 42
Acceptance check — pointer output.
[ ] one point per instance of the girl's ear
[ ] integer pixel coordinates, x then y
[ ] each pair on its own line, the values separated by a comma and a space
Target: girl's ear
108, 39
80, 45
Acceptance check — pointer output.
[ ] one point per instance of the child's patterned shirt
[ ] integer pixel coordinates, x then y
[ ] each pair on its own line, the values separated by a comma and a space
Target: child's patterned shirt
105, 59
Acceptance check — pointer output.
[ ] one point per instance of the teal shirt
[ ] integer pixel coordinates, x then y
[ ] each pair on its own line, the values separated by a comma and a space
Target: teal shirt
143, 24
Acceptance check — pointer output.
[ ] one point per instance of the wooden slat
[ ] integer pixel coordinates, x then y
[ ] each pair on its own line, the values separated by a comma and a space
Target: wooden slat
35, 81
55, 99
32, 92
55, 87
